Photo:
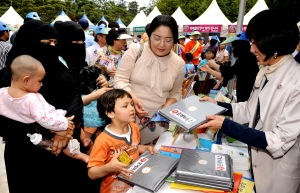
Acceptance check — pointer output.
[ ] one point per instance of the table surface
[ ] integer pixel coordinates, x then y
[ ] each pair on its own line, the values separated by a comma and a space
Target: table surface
185, 142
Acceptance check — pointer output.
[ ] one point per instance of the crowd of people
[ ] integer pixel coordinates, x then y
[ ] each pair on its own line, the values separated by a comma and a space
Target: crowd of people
94, 97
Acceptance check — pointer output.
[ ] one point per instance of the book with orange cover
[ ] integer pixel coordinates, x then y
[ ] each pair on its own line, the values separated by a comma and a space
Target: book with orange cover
174, 185
237, 179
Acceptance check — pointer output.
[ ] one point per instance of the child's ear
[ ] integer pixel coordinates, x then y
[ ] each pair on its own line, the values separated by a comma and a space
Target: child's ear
111, 115
25, 80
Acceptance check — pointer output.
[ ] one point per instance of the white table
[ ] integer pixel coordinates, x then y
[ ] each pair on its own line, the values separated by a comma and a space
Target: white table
187, 142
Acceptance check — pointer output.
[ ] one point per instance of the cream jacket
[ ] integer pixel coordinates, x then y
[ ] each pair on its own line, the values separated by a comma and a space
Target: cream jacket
278, 168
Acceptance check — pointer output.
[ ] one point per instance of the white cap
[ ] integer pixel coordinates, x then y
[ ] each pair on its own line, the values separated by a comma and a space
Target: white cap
124, 36
35, 138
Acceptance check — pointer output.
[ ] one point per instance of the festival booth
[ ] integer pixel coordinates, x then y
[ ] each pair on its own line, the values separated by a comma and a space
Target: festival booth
211, 22
12, 18
258, 7
61, 17
181, 19
141, 16
140, 29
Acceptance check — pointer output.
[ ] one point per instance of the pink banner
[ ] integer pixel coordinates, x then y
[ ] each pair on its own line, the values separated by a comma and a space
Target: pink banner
203, 28
232, 28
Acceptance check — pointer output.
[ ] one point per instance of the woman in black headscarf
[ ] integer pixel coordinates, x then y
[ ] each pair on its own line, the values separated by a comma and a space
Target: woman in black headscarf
30, 168
71, 47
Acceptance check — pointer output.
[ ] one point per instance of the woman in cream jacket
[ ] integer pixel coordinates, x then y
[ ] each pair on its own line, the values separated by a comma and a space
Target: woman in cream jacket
273, 108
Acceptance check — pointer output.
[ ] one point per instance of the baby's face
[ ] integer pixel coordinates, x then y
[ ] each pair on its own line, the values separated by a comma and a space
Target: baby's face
34, 83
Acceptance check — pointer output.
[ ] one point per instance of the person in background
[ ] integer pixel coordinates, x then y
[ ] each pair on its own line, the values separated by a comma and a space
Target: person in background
110, 59
194, 48
4, 45
102, 22
71, 47
113, 24
245, 68
120, 135
181, 41
213, 43
57, 25
187, 39
154, 76
139, 37
222, 54
189, 67
145, 37
29, 16
272, 110
93, 52
201, 41
89, 40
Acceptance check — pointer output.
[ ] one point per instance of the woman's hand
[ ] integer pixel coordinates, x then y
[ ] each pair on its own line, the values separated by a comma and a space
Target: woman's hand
215, 122
102, 81
205, 68
208, 99
139, 108
59, 143
117, 167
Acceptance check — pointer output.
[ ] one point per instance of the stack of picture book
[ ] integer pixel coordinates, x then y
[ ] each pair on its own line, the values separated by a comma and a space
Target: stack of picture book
205, 169
150, 171
239, 155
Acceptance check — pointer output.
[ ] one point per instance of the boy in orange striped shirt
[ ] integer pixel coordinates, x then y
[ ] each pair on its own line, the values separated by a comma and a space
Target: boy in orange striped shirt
120, 135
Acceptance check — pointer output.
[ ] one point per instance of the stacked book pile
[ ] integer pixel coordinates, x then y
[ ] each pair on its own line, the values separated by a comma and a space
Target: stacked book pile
205, 169
239, 155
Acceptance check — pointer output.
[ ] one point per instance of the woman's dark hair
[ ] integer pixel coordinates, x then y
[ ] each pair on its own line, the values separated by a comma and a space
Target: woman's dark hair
188, 56
273, 31
113, 34
213, 42
147, 28
107, 101
212, 50
164, 20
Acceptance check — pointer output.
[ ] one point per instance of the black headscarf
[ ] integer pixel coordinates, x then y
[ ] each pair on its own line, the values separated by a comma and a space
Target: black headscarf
72, 53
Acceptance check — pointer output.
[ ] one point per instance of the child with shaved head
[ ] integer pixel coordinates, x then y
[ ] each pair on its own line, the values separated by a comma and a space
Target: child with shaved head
22, 102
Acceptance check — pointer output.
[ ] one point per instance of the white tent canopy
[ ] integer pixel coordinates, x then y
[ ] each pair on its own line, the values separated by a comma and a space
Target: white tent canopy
214, 16
136, 22
11, 17
181, 19
155, 12
91, 25
62, 17
259, 6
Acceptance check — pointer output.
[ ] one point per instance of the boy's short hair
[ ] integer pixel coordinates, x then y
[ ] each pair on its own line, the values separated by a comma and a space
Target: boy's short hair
212, 50
107, 102
188, 56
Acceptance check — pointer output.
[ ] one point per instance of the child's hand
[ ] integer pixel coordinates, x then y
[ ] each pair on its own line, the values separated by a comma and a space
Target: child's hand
143, 148
117, 167
70, 122
101, 81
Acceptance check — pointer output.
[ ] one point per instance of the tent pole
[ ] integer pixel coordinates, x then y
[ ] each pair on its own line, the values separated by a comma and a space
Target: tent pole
242, 7
241, 15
